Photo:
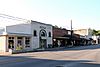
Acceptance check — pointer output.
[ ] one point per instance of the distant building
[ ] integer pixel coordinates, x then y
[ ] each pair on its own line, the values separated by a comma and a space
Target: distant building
85, 34
96, 39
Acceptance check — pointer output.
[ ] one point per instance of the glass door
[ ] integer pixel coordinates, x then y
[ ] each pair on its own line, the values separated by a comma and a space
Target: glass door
43, 43
19, 43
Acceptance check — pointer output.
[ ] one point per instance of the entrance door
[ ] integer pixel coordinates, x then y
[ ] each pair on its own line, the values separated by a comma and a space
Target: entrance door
19, 43
11, 44
43, 39
43, 43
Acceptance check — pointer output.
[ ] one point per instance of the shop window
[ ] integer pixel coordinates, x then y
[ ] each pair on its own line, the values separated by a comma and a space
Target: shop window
35, 33
11, 37
19, 37
49, 34
11, 42
19, 43
27, 41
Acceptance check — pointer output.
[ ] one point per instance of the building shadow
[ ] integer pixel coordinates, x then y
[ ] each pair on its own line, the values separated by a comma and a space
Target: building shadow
76, 48
85, 47
25, 61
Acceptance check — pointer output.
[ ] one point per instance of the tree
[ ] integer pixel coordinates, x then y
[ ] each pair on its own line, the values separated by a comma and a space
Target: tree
98, 33
56, 26
94, 32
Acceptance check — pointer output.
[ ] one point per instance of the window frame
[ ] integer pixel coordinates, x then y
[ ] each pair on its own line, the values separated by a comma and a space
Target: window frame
49, 34
27, 41
11, 38
35, 33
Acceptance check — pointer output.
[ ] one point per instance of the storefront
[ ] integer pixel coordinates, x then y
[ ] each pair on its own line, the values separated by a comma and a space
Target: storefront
62, 38
26, 37
58, 37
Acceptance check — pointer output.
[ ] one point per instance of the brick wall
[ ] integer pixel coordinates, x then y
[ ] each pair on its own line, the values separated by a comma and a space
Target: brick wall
58, 32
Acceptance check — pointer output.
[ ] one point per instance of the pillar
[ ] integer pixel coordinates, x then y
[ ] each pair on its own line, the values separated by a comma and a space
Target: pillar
15, 43
24, 43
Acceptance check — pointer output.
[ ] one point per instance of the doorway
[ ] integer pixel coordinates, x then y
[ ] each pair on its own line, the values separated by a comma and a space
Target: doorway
43, 43
43, 39
11, 42
19, 43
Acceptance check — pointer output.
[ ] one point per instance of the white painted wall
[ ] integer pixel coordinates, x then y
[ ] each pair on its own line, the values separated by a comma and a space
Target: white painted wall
35, 42
20, 28
2, 30
36, 26
2, 43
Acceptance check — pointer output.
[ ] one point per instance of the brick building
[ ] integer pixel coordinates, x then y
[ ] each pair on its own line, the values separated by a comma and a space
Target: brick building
62, 37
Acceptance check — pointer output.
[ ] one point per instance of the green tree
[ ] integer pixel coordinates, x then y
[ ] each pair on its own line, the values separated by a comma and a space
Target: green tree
94, 32
98, 33
56, 26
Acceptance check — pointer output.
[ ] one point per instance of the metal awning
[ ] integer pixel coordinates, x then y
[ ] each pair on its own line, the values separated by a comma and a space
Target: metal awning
62, 38
19, 34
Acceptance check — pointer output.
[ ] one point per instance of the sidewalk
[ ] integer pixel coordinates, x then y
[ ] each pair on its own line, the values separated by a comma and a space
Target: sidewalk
5, 53
51, 49
56, 49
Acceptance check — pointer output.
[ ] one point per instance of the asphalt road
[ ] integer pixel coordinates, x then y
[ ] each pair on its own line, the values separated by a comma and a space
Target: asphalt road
84, 56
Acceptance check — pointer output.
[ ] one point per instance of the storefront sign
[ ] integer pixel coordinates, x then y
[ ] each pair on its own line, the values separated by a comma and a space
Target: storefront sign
42, 27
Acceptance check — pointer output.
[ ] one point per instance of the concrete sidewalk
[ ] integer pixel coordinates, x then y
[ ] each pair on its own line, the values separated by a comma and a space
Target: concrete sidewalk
57, 49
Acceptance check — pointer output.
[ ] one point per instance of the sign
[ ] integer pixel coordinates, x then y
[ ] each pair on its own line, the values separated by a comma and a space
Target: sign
42, 27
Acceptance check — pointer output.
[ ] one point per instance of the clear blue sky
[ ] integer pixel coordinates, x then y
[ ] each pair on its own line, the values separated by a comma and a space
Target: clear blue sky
84, 13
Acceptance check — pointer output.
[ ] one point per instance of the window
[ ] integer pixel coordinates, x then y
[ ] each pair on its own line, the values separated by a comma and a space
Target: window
11, 37
19, 43
35, 33
11, 42
19, 37
27, 41
49, 34
43, 34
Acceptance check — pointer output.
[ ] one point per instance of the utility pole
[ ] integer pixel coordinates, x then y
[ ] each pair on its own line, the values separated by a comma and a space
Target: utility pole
71, 28
71, 25
71, 33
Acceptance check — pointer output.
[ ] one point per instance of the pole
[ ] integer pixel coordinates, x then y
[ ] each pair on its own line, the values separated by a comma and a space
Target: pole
71, 29
71, 33
71, 25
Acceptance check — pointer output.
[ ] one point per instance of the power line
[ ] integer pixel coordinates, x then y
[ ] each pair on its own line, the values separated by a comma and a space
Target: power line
12, 17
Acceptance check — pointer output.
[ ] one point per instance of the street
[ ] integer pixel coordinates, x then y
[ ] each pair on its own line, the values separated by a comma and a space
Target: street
82, 56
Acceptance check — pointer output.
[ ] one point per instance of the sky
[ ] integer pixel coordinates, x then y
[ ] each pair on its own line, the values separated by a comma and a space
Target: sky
83, 13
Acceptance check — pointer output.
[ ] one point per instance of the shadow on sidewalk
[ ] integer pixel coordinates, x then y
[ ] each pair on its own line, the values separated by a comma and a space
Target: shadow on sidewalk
74, 48
22, 61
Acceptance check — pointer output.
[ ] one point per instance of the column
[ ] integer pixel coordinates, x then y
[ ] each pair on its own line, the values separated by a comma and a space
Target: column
24, 43
15, 43
6, 44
